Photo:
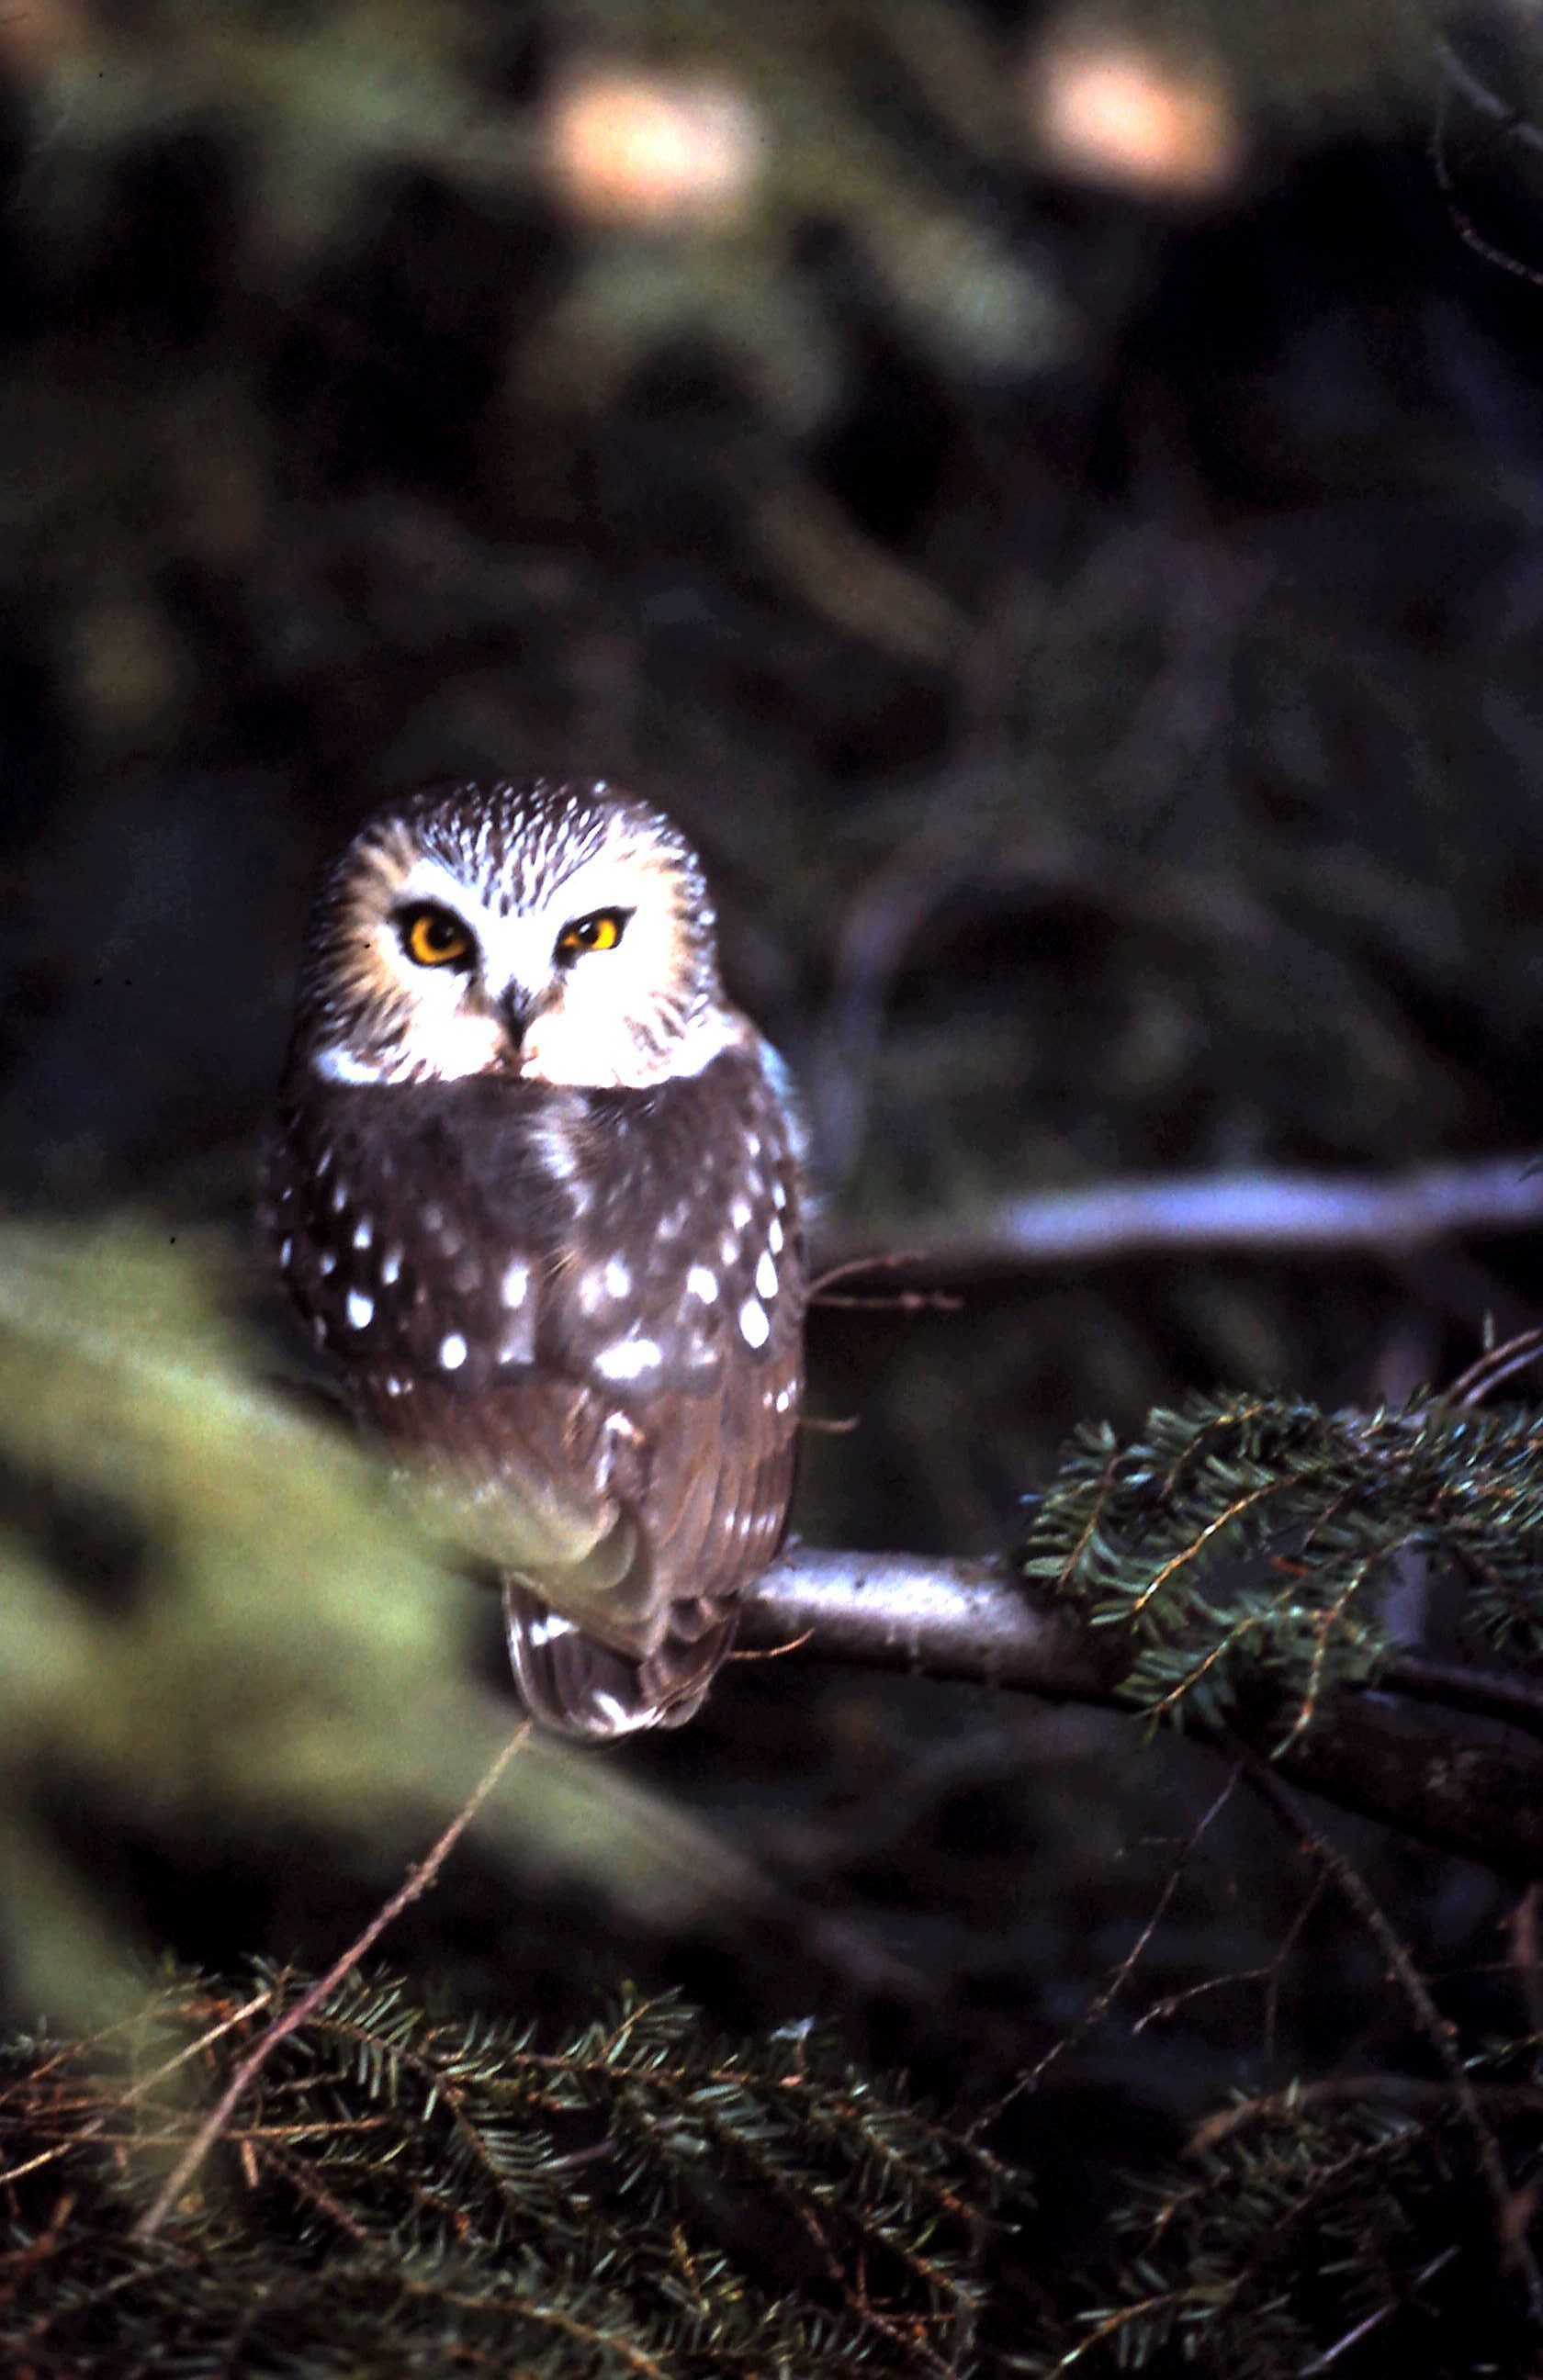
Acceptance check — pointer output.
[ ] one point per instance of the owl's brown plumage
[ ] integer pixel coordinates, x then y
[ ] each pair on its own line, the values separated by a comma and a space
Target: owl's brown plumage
543, 1204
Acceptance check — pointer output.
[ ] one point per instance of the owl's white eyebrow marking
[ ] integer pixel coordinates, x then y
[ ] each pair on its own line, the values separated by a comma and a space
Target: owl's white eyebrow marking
363, 1233
766, 1276
517, 1281
336, 1065
753, 1323
702, 1283
541, 1632
391, 1267
609, 1707
618, 1281
776, 1235
628, 1359
452, 1350
361, 1310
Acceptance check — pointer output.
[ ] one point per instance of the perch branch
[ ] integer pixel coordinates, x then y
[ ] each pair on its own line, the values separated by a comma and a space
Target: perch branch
978, 1621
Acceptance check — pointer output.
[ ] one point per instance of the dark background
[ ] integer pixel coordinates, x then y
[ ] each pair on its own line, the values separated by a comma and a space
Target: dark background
1090, 618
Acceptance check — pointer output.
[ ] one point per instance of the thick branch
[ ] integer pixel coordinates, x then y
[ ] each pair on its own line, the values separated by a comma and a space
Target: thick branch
978, 1620
1259, 1214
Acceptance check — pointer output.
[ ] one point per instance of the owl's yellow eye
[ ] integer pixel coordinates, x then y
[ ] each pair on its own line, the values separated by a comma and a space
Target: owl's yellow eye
602, 931
434, 937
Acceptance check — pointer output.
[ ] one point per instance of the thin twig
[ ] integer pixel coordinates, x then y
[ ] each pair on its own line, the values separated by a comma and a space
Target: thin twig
416, 1882
1495, 1364
1097, 2007
1354, 1890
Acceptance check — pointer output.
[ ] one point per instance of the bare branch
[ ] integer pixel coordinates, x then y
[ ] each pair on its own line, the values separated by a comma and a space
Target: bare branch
941, 1618
414, 1884
1212, 1214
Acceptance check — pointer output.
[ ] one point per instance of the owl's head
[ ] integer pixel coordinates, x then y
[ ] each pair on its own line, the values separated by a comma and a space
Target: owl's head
558, 932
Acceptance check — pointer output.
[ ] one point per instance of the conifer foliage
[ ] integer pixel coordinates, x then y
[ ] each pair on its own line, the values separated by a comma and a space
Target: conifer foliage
1252, 1538
404, 2196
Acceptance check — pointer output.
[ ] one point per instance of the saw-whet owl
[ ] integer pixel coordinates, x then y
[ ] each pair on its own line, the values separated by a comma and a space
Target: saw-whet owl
537, 1186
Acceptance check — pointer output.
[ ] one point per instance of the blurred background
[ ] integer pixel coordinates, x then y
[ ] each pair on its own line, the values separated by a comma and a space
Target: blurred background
1051, 497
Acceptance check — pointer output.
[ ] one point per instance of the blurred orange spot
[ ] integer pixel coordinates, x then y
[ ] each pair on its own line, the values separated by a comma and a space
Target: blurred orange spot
1113, 111
35, 34
656, 149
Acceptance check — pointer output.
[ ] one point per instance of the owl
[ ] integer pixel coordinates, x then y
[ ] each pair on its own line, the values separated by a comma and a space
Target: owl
536, 1186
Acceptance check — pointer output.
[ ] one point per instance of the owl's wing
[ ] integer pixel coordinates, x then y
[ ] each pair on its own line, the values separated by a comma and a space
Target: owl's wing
581, 1313
693, 1375
705, 1477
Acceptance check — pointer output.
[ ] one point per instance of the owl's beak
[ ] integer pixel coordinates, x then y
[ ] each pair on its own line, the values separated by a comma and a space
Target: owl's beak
515, 1011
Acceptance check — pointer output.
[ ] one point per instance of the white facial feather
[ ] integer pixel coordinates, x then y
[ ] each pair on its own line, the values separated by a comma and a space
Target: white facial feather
646, 1009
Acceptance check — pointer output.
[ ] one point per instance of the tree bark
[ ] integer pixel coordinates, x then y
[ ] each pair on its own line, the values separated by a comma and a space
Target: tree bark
936, 1617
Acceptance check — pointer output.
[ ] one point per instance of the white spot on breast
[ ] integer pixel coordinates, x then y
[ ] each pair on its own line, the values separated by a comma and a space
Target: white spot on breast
517, 1281
340, 1195
286, 1249
326, 1262
433, 1218
754, 1327
739, 1214
776, 1235
703, 1285
728, 1248
612, 1710
752, 1145
541, 1632
618, 1281
452, 1350
361, 1310
363, 1233
784, 1398
778, 1194
766, 1276
628, 1359
391, 1267
591, 1290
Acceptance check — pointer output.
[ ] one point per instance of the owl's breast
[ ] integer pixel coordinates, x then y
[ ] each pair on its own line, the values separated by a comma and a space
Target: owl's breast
477, 1232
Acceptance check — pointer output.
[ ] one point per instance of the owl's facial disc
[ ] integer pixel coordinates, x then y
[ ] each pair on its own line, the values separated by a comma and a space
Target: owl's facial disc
597, 972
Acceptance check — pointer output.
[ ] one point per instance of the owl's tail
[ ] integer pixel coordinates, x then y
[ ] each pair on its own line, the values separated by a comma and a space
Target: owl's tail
577, 1686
